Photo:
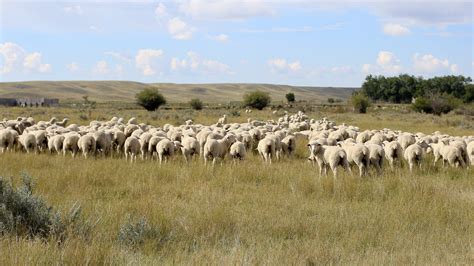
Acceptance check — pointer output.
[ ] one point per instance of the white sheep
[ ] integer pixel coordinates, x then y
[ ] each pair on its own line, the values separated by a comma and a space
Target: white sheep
266, 149
452, 155
328, 156
217, 149
470, 152
406, 140
70, 143
131, 148
393, 152
28, 142
288, 145
414, 154
190, 147
376, 155
165, 149
87, 145
357, 154
55, 143
222, 120
6, 140
237, 150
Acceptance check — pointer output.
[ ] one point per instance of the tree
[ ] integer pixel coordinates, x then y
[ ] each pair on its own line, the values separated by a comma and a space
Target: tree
196, 104
150, 99
360, 102
257, 99
290, 97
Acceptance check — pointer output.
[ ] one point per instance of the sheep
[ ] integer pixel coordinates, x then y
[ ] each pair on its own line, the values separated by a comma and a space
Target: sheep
103, 142
70, 143
266, 149
6, 140
358, 154
376, 155
87, 145
62, 123
28, 142
237, 150
144, 143
55, 143
131, 148
190, 147
470, 152
118, 140
393, 152
165, 149
414, 154
217, 148
452, 154
41, 139
152, 144
406, 140
288, 145
332, 156
222, 120
436, 149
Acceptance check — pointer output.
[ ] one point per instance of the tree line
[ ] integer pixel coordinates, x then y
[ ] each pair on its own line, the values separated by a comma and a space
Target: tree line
403, 88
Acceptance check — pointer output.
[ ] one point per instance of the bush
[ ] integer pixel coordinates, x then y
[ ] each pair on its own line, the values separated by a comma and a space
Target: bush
257, 99
133, 234
331, 100
437, 104
22, 213
360, 102
290, 97
196, 104
150, 99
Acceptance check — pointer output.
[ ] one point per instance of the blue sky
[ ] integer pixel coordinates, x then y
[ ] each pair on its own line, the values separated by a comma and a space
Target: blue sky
314, 43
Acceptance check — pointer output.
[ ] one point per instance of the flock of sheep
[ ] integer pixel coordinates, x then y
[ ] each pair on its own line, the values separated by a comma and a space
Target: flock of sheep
329, 145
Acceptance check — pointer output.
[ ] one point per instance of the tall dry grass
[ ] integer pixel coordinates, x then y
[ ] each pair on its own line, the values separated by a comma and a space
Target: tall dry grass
251, 213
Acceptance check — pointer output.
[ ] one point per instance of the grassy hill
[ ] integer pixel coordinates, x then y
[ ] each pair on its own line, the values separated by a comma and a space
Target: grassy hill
125, 91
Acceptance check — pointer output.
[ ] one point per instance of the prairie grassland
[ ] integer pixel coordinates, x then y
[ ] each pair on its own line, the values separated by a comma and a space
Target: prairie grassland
251, 213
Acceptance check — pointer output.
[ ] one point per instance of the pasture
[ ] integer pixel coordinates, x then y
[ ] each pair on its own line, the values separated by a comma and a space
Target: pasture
250, 212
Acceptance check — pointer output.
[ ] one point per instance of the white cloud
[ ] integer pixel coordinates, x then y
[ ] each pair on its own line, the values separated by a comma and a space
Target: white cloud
16, 59
101, 67
341, 69
33, 61
454, 69
72, 67
77, 10
220, 38
119, 56
12, 54
430, 64
280, 65
395, 29
386, 63
146, 60
161, 13
195, 63
179, 29
226, 9
94, 28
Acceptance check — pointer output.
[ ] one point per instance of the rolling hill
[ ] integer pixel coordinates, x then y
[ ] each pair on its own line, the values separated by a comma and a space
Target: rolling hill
124, 91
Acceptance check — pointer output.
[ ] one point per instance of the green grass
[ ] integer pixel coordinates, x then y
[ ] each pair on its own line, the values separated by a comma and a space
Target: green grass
251, 213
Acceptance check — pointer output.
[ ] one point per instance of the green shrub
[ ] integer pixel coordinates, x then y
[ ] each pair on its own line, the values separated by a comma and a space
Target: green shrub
360, 102
422, 104
150, 99
196, 104
23, 213
436, 104
133, 234
290, 97
257, 99
331, 100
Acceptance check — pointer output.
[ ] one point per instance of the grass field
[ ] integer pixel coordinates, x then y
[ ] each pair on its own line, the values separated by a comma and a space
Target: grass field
251, 213
106, 91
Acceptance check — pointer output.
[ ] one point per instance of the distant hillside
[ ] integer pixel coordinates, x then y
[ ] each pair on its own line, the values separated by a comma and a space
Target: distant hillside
125, 91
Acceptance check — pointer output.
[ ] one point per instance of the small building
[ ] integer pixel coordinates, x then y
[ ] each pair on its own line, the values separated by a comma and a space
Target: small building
29, 102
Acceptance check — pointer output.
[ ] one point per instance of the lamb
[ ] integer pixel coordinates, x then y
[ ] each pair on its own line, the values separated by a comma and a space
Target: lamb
332, 156
55, 143
414, 154
237, 150
70, 143
222, 120
165, 149
266, 149
357, 154
393, 152
217, 148
87, 145
376, 155
131, 148
190, 147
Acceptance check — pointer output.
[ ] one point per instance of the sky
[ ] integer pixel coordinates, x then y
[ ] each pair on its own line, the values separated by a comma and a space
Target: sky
299, 42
